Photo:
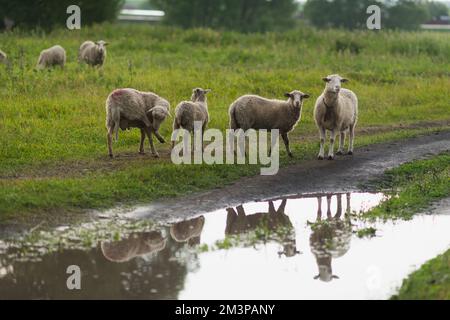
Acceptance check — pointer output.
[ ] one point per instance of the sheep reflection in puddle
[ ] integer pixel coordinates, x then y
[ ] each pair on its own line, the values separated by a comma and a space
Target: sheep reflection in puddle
239, 222
142, 244
331, 238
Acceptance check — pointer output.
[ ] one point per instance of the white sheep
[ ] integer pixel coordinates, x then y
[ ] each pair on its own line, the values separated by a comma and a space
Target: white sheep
255, 112
93, 54
188, 112
54, 56
130, 108
336, 110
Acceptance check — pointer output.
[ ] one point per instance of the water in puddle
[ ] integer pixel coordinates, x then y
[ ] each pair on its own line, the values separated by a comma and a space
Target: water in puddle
191, 259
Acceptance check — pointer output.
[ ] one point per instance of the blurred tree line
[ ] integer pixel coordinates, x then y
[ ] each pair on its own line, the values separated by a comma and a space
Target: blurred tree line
239, 15
264, 15
351, 14
46, 14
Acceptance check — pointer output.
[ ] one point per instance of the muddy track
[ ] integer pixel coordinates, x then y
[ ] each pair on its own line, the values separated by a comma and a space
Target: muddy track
347, 173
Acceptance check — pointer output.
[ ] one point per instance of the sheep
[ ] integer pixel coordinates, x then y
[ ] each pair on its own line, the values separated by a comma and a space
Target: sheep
331, 239
336, 110
136, 245
238, 222
54, 56
129, 108
187, 112
93, 54
188, 231
255, 112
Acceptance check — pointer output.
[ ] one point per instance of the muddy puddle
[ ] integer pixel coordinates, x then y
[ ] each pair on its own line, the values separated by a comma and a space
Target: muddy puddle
309, 247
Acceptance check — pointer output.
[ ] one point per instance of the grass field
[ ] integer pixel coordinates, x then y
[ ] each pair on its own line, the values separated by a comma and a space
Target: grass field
53, 153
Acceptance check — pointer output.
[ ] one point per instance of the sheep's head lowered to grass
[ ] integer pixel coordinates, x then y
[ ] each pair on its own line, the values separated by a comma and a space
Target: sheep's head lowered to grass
157, 115
296, 97
334, 83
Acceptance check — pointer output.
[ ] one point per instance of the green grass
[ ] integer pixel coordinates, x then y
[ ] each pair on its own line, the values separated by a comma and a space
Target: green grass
53, 153
430, 282
414, 186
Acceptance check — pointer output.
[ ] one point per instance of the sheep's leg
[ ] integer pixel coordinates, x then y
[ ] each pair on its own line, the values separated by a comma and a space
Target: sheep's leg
331, 150
319, 209
109, 138
159, 137
150, 139
352, 136
286, 143
339, 207
341, 144
329, 206
322, 143
141, 146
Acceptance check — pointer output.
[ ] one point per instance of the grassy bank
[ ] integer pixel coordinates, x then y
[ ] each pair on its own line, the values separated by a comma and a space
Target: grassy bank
53, 153
414, 187
430, 282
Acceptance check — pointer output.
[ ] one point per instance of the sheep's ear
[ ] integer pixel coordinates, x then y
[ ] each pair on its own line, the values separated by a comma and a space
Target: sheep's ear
334, 277
317, 277
207, 90
150, 115
344, 80
105, 43
326, 79
305, 96
287, 95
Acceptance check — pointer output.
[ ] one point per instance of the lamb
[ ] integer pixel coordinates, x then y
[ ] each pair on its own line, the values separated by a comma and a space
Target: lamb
54, 56
255, 112
93, 54
336, 110
130, 108
188, 112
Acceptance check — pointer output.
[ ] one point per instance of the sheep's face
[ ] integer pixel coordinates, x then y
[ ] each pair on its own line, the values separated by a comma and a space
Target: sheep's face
296, 97
157, 115
101, 46
199, 94
334, 83
325, 274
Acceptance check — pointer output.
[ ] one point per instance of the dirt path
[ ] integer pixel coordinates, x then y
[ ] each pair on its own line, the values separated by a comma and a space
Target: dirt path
103, 164
344, 174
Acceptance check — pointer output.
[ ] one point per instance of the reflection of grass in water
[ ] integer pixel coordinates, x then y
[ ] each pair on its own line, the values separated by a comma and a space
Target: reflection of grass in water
366, 232
262, 234
416, 185
430, 282
83, 237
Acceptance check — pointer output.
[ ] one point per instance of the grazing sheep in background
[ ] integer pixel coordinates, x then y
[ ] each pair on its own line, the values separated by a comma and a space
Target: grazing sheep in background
51, 57
93, 54
336, 110
130, 108
255, 112
187, 112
